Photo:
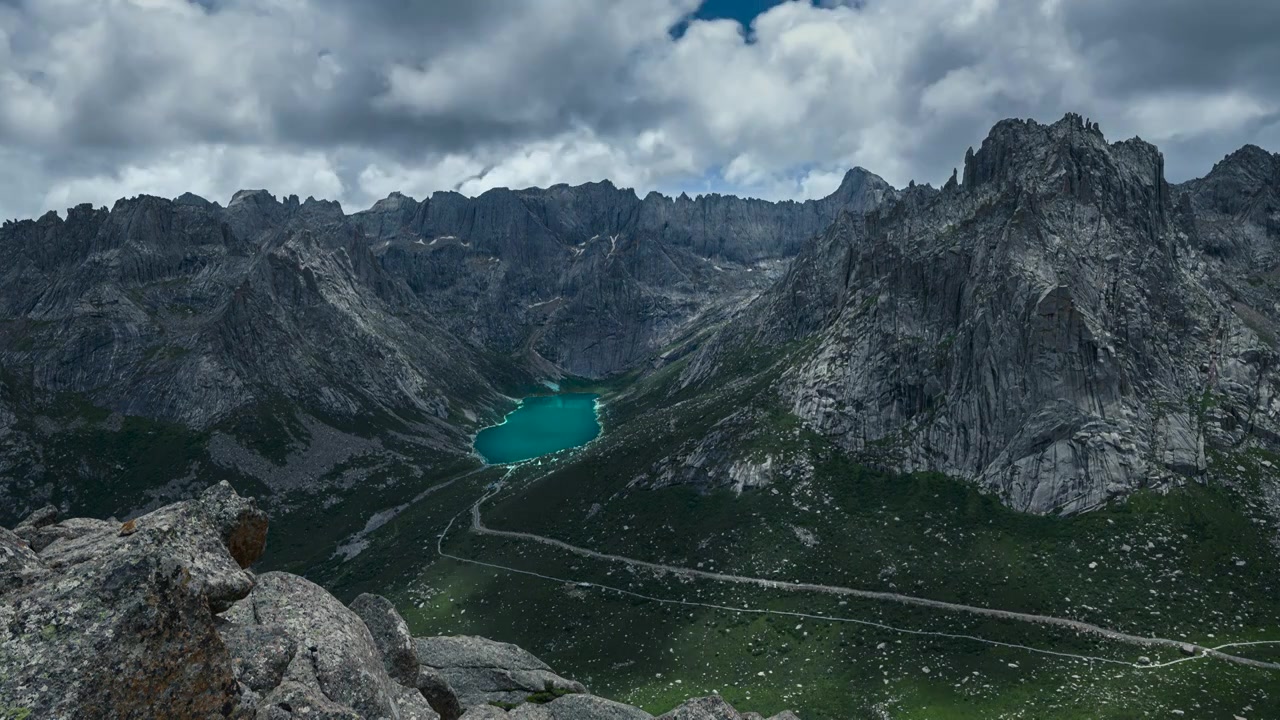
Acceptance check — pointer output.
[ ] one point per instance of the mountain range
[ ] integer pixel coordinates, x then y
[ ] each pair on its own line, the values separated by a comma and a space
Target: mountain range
1057, 322
1056, 367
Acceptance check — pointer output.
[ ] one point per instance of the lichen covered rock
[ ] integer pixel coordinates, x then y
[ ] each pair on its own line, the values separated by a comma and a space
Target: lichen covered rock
336, 655
482, 671
122, 626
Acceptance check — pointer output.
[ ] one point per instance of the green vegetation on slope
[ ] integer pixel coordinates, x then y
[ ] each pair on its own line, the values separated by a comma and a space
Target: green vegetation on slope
1194, 562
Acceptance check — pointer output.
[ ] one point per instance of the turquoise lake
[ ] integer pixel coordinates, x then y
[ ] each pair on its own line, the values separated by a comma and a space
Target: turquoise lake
541, 425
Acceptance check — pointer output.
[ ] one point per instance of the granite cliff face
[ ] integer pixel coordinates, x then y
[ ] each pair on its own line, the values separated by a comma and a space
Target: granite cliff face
592, 278
282, 342
263, 324
186, 311
1056, 323
159, 617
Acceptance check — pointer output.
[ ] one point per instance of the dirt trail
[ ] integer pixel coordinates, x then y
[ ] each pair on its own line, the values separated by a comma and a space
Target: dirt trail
478, 526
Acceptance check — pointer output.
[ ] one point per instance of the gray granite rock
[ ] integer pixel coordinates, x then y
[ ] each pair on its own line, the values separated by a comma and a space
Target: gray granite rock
481, 670
43, 536
712, 707
156, 618
486, 712
391, 634
579, 707
40, 517
336, 654
196, 534
439, 693
260, 654
568, 707
293, 699
115, 621
18, 564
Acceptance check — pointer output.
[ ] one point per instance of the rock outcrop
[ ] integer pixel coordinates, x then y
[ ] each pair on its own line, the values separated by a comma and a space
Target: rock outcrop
158, 617
569, 707
117, 621
714, 707
1061, 326
483, 671
335, 663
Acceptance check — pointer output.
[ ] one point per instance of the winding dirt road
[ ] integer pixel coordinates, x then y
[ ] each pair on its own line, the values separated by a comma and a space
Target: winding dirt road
1191, 649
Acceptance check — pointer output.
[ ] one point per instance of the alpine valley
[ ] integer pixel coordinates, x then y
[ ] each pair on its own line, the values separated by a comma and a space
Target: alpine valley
1009, 448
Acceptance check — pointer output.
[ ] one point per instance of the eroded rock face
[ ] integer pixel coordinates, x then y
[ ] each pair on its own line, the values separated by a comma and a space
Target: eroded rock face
482, 670
592, 277
1062, 327
189, 315
712, 707
1006, 329
578, 707
118, 625
336, 656
391, 634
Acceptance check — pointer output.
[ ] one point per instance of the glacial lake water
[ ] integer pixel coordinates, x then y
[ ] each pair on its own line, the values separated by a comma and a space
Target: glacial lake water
541, 425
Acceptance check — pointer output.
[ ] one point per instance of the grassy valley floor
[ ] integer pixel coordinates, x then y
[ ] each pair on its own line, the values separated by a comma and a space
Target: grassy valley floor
1194, 564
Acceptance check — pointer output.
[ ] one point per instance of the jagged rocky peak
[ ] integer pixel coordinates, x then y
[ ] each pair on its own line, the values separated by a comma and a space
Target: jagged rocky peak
1072, 159
1250, 160
160, 617
1042, 306
142, 202
253, 212
1012, 148
1233, 214
319, 210
1237, 179
256, 197
192, 199
395, 201
862, 190
595, 186
51, 216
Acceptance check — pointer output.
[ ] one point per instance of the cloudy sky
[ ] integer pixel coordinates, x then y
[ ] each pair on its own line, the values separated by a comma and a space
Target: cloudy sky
350, 100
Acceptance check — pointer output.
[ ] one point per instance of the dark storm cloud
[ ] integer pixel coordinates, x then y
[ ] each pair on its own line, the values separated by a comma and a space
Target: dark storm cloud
329, 73
1192, 44
102, 98
1214, 61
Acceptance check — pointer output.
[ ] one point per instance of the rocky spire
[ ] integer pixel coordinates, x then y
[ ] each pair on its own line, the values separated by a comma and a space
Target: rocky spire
969, 168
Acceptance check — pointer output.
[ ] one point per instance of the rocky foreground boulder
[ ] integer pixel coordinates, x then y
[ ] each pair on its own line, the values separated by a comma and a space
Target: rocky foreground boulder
159, 617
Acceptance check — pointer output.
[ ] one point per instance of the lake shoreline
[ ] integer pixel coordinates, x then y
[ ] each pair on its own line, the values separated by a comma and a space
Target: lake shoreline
540, 425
